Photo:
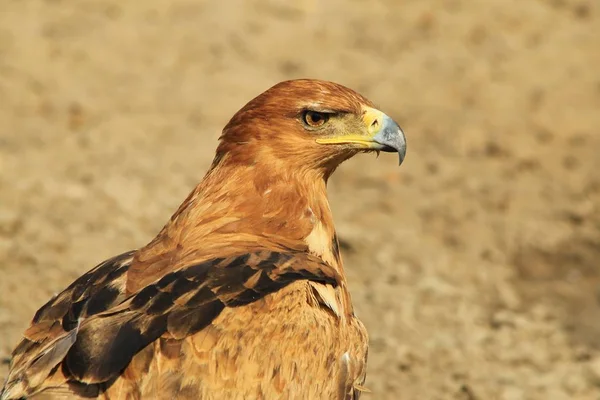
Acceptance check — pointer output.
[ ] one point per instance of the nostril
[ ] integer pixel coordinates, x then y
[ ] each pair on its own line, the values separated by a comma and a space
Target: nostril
375, 123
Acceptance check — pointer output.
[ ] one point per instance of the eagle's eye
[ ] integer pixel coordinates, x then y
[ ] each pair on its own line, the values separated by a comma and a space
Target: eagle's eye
314, 119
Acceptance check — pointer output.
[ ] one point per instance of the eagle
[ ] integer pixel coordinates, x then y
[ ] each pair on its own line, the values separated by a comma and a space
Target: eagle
242, 294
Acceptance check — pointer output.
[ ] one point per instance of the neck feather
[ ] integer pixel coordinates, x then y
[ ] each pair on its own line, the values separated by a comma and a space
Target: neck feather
259, 202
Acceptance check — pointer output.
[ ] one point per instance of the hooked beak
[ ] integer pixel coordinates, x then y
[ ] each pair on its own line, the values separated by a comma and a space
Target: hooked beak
391, 138
381, 133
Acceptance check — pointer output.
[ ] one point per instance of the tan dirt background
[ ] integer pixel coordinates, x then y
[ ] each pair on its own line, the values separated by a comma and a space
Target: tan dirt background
475, 266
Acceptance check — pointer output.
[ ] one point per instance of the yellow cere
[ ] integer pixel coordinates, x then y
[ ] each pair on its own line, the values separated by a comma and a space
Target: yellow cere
373, 120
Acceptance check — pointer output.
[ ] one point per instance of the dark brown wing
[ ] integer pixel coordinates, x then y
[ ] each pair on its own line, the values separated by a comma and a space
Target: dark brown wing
54, 327
92, 330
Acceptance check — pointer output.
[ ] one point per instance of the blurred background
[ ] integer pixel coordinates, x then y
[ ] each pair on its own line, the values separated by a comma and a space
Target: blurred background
475, 266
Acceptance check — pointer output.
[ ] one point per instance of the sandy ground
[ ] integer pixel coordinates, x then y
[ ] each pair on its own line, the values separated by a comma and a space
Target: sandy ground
475, 265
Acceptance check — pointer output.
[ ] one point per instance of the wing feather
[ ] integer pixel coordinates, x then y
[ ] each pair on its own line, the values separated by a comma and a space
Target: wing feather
93, 329
54, 328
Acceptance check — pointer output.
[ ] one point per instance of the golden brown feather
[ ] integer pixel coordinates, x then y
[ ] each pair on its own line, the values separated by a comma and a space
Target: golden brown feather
242, 294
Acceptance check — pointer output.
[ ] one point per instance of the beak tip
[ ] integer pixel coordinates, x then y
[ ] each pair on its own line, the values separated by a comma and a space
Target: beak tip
402, 150
392, 137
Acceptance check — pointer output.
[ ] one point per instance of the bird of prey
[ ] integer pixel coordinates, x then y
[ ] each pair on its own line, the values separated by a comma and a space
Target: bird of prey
242, 294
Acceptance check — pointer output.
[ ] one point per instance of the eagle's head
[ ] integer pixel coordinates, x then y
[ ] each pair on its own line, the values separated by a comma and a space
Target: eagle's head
308, 125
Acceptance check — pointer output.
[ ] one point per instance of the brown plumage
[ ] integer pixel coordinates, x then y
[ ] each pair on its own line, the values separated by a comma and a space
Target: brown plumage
242, 295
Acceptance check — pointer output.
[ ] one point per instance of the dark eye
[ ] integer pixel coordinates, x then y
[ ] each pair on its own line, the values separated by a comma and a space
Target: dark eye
315, 119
